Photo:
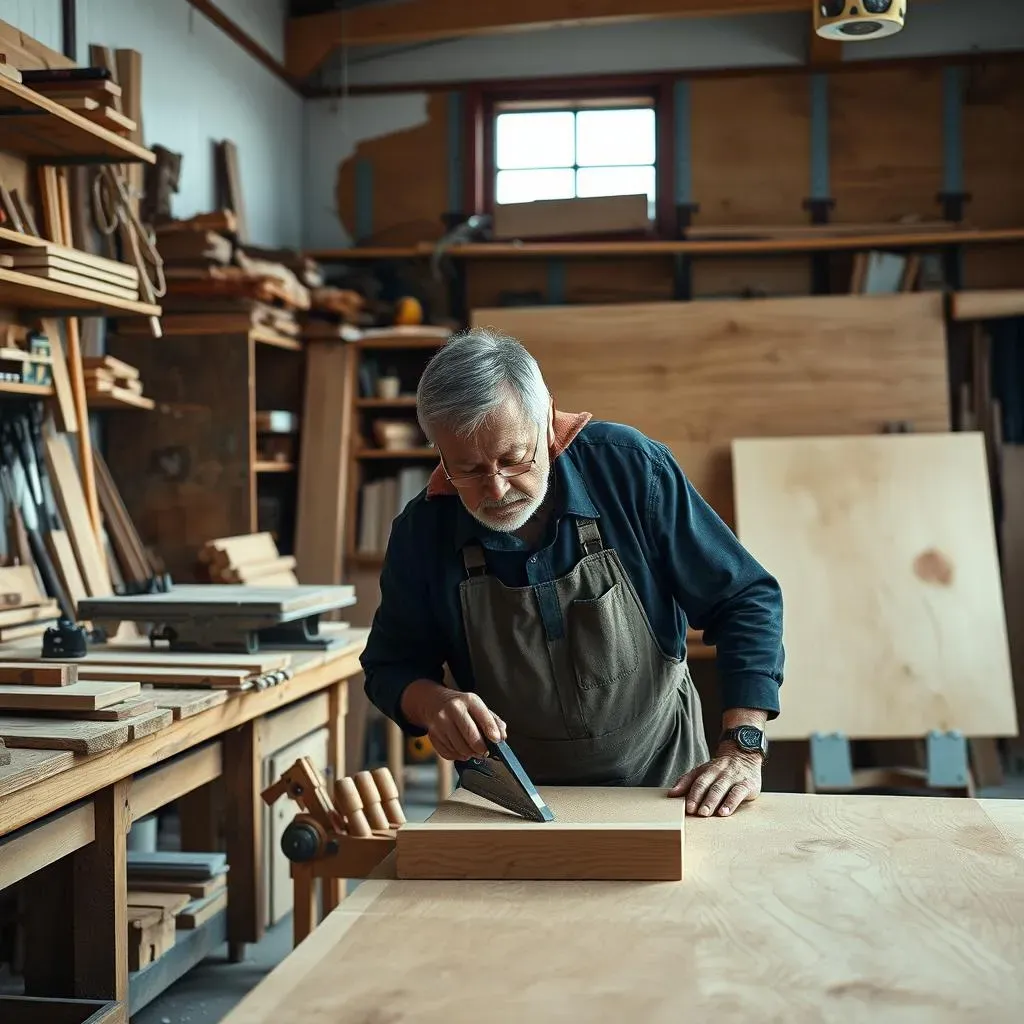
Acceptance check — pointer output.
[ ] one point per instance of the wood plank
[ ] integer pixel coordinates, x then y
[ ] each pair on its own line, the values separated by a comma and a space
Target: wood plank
894, 619
44, 843
28, 767
194, 890
84, 696
168, 902
696, 375
70, 278
990, 304
32, 673
175, 778
200, 912
148, 722
632, 834
772, 881
185, 703
130, 708
57, 734
66, 417
51, 254
34, 294
217, 679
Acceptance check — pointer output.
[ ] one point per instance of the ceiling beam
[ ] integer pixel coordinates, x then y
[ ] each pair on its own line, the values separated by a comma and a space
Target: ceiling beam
310, 40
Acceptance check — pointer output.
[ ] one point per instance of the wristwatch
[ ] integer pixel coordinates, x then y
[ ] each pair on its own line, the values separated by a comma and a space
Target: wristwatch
747, 737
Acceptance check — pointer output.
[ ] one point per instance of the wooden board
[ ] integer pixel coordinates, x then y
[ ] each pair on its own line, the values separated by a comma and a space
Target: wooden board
885, 551
29, 673
626, 834
695, 375
186, 703
81, 696
130, 708
191, 890
199, 912
218, 679
148, 722
59, 734
169, 902
929, 894
30, 766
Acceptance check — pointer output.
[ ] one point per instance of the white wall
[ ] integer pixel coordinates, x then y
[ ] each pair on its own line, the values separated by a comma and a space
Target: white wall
39, 19
198, 87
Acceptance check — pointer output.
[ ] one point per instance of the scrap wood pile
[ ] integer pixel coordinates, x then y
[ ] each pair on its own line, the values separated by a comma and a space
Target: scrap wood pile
249, 558
168, 891
113, 383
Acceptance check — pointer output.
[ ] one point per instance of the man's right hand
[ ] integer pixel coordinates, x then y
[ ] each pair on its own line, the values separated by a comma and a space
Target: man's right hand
456, 722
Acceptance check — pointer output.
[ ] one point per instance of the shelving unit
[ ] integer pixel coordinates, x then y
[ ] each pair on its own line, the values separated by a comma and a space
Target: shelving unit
37, 128
381, 479
202, 437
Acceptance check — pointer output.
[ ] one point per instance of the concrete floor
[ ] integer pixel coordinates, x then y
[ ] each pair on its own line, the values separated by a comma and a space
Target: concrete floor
210, 990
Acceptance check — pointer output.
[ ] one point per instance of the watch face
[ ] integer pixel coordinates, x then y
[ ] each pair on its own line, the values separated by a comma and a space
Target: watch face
748, 737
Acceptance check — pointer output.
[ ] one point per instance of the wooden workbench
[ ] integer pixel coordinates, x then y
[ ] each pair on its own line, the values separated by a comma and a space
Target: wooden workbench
67, 833
800, 908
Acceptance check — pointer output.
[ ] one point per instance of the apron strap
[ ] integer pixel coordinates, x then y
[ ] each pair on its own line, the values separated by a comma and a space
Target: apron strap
590, 536
473, 558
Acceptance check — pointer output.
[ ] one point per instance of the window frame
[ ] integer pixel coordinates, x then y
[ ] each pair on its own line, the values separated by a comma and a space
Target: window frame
484, 107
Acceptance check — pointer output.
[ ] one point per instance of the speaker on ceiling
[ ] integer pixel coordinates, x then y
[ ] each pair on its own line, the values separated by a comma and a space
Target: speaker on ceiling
853, 20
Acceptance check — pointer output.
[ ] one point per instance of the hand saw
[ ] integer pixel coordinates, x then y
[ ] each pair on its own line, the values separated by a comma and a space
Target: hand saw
500, 778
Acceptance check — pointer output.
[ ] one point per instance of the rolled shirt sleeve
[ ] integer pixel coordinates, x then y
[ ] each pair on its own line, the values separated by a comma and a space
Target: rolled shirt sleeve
721, 588
404, 641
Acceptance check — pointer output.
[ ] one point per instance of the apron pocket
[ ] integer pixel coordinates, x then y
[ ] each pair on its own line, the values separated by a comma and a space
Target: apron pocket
601, 639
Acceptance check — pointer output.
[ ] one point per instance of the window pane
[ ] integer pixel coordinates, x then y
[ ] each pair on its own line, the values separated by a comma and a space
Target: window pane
615, 181
615, 137
535, 139
526, 186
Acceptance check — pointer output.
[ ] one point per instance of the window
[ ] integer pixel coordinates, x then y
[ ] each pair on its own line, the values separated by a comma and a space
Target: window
587, 149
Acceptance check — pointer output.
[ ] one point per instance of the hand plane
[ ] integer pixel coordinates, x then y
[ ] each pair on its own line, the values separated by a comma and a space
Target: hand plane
500, 778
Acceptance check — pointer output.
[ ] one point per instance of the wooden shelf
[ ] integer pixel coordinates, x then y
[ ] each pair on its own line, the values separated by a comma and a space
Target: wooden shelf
275, 340
739, 247
120, 398
398, 453
384, 252
274, 467
403, 402
994, 304
39, 128
25, 390
393, 343
23, 291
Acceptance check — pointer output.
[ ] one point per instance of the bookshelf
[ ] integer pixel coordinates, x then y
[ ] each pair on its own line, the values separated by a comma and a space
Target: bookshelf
390, 461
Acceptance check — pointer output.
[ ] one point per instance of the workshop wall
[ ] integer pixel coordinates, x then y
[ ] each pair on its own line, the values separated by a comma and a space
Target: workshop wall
199, 86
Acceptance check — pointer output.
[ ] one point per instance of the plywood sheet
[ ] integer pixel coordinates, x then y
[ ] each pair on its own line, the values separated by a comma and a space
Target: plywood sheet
885, 551
632, 834
798, 908
695, 375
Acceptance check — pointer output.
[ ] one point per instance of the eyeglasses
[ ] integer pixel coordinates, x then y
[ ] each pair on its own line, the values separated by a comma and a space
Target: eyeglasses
507, 472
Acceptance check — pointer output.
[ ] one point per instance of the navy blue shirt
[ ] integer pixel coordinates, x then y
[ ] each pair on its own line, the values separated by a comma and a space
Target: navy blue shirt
686, 565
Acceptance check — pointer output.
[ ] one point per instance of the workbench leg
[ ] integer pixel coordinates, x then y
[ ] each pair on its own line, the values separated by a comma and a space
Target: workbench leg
396, 755
100, 906
200, 814
304, 903
331, 890
336, 716
243, 810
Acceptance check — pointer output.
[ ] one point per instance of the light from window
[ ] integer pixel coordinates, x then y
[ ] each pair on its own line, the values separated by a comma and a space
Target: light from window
565, 154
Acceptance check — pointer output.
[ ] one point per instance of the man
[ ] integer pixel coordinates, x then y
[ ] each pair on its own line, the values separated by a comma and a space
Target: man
553, 563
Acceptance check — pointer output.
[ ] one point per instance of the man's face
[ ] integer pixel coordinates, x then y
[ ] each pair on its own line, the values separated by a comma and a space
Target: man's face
508, 439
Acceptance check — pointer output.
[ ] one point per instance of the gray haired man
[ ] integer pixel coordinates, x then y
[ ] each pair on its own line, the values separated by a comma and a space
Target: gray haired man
553, 563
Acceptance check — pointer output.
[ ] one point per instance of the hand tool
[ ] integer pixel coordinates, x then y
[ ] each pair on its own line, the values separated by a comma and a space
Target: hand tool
500, 778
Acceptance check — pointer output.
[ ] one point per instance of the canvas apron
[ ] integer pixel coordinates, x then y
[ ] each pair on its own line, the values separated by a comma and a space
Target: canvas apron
587, 694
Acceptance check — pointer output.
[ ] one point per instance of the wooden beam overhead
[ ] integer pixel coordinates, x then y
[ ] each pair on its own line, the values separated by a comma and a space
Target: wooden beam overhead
310, 40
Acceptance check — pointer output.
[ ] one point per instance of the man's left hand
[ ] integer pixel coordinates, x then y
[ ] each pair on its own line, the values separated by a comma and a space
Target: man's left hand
720, 785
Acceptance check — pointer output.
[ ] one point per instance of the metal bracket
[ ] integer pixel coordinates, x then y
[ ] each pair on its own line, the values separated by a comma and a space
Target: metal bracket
947, 760
831, 763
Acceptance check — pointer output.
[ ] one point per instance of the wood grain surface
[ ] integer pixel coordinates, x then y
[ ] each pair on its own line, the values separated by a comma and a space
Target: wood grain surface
885, 551
799, 908
696, 375
597, 834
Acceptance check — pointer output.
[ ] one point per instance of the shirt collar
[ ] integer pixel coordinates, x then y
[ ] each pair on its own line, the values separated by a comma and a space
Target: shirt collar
573, 497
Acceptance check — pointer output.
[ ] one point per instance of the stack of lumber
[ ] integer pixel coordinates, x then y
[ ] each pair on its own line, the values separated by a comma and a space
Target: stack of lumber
95, 98
249, 558
110, 381
65, 265
50, 706
26, 610
168, 891
24, 355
